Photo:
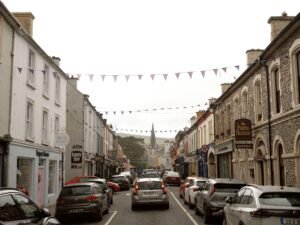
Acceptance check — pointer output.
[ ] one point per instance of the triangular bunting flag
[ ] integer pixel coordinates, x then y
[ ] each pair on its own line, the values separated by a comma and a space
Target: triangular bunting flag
102, 77
224, 69
190, 74
122, 112
165, 76
203, 73
237, 67
152, 76
114, 112
91, 77
44, 72
216, 71
127, 77
115, 77
20, 69
177, 75
31, 70
106, 113
140, 76
54, 73
130, 112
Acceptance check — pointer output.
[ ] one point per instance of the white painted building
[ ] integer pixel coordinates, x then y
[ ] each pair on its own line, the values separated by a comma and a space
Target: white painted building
38, 114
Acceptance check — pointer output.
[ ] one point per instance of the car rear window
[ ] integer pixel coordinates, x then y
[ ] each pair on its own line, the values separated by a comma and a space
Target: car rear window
227, 187
172, 174
280, 199
200, 183
117, 178
78, 190
149, 185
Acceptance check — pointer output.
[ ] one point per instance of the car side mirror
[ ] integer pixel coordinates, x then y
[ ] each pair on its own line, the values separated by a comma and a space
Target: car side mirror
229, 199
45, 212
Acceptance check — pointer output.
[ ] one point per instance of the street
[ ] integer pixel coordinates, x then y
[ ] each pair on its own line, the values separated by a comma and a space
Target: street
121, 213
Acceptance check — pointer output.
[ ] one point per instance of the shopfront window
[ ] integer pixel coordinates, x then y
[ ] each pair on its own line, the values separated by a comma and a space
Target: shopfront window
24, 174
52, 176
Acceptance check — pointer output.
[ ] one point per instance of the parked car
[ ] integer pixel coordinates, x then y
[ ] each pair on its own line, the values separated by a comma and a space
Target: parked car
129, 176
211, 199
194, 186
17, 208
78, 179
114, 186
80, 199
255, 204
103, 184
183, 185
172, 178
151, 175
149, 191
122, 181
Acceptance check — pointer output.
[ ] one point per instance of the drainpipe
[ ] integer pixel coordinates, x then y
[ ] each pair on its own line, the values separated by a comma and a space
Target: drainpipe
269, 121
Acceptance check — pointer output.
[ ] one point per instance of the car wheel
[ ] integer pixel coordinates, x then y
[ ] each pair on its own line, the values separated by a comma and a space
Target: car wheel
99, 214
133, 207
196, 209
180, 195
206, 215
107, 210
167, 206
190, 203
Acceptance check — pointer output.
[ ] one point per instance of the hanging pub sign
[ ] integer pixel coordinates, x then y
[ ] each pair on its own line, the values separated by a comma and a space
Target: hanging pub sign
243, 130
76, 159
243, 134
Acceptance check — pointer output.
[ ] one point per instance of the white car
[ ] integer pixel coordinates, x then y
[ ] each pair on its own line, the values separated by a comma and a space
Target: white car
263, 205
189, 193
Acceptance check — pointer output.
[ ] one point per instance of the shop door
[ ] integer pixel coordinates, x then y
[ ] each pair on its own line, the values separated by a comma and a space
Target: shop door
41, 185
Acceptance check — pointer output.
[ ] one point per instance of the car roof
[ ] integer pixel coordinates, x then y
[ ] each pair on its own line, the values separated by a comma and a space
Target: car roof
95, 180
80, 184
270, 188
4, 190
118, 176
226, 181
149, 179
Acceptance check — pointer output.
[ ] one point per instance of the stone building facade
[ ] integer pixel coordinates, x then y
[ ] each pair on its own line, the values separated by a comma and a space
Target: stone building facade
268, 94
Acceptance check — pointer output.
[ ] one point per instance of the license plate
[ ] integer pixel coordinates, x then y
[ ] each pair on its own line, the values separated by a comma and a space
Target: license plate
150, 193
289, 221
75, 210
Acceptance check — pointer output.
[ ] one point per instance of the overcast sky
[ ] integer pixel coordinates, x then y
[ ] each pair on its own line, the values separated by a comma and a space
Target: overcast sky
97, 39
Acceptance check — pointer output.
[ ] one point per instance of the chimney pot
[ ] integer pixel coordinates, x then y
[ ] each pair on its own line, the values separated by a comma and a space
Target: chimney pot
56, 60
252, 55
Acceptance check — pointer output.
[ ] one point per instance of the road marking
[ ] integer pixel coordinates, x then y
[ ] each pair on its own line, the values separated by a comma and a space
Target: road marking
110, 219
128, 194
186, 212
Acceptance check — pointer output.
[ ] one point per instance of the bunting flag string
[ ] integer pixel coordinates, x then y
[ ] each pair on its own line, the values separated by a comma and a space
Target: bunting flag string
144, 131
115, 77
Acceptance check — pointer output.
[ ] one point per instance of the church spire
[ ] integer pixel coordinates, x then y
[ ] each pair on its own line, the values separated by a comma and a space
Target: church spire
152, 138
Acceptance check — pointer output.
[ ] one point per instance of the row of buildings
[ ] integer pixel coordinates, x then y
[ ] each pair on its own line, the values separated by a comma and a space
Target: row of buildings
49, 131
252, 131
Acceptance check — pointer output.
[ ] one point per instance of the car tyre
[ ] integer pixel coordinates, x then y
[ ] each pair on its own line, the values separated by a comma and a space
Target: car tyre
190, 204
167, 206
206, 216
99, 215
224, 221
107, 210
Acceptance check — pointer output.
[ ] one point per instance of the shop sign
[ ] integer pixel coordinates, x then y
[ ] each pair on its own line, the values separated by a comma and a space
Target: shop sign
243, 130
40, 153
76, 157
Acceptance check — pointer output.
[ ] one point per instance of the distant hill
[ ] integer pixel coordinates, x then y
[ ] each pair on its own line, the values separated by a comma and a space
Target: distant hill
159, 140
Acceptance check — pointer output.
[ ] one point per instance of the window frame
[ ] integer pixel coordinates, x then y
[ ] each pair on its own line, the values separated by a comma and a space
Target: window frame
29, 121
52, 177
45, 126
258, 100
57, 90
31, 68
1, 37
46, 81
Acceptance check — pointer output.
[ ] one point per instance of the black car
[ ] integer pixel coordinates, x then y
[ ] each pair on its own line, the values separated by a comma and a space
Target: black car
122, 181
17, 208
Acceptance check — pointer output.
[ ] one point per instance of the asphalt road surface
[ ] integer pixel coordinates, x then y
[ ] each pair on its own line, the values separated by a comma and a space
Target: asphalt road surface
121, 214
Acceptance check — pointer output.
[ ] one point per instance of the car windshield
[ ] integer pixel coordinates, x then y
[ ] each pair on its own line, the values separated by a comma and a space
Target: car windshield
228, 187
117, 178
280, 199
200, 183
149, 185
78, 190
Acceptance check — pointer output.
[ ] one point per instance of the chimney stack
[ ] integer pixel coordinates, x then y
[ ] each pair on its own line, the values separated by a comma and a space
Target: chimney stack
252, 55
73, 81
225, 86
278, 23
56, 60
26, 20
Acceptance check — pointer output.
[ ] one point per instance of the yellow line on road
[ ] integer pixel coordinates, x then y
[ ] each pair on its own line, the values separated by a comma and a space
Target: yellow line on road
186, 212
110, 219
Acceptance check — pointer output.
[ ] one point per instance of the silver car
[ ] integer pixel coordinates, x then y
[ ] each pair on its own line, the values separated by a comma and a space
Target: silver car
149, 191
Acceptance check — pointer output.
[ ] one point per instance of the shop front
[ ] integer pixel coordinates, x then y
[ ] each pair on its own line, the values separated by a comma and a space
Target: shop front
224, 158
35, 171
3, 155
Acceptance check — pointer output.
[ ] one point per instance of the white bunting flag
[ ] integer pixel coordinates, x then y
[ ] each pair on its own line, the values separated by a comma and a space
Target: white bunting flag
203, 73
190, 74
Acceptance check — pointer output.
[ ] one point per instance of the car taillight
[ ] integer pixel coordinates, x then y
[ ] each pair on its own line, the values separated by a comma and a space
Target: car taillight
135, 190
195, 188
260, 213
92, 198
164, 189
167, 178
59, 201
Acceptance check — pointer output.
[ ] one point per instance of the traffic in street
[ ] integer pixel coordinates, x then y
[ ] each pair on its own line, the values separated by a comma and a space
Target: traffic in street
121, 213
